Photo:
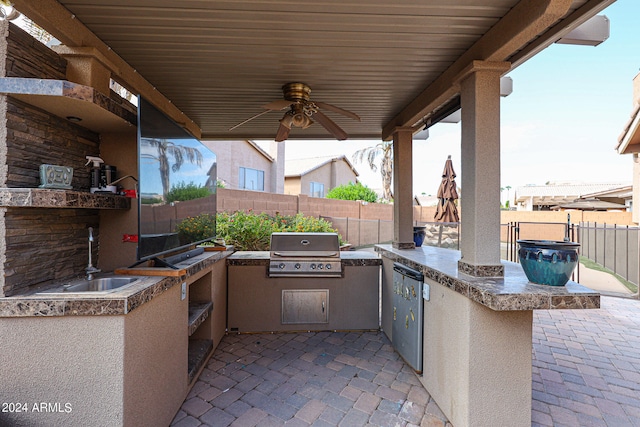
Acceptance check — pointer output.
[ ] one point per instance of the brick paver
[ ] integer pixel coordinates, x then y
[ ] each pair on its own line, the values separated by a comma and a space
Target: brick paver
586, 366
586, 372
319, 379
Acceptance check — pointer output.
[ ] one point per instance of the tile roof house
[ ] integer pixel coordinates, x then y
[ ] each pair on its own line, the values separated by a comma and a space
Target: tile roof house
316, 176
546, 197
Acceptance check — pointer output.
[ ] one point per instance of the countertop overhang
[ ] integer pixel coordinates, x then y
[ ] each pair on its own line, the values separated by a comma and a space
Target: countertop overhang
508, 293
347, 258
114, 303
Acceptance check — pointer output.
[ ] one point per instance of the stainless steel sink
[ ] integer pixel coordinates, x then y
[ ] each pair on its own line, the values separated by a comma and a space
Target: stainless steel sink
98, 285
101, 284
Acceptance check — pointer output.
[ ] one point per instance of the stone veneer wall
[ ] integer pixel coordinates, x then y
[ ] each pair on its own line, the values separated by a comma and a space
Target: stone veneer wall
44, 245
27, 57
35, 137
39, 244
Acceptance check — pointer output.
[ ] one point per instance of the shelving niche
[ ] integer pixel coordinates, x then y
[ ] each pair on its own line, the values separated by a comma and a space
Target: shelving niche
200, 325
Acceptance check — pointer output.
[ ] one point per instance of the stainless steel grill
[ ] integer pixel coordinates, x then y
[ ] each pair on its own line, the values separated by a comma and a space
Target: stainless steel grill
305, 255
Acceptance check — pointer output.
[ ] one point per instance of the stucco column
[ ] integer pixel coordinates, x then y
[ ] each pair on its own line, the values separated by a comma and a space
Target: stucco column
403, 188
480, 199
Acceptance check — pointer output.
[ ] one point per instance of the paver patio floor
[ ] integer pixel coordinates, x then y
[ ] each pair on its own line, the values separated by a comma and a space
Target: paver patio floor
586, 372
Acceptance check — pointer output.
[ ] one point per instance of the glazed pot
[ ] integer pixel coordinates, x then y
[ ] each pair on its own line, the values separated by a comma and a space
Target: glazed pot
548, 262
418, 235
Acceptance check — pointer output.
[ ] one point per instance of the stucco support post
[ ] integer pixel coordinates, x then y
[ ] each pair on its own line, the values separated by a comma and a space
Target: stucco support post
480, 200
403, 188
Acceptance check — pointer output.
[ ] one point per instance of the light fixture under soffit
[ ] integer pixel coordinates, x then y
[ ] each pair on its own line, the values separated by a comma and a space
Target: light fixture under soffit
591, 33
451, 112
74, 119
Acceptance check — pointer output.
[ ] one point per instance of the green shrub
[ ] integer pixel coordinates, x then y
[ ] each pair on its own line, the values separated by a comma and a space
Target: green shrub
252, 232
245, 231
197, 228
181, 192
353, 191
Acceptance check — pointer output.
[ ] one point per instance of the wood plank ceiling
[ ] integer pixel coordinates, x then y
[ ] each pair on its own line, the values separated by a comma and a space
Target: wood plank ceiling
221, 61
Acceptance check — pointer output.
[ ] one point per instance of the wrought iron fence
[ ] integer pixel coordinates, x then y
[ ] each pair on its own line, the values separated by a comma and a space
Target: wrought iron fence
614, 247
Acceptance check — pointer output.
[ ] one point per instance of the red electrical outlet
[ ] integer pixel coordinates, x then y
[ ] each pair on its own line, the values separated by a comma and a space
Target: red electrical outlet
129, 238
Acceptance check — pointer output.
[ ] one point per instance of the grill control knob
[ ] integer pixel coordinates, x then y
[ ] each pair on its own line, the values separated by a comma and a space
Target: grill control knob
328, 267
313, 266
320, 266
297, 266
281, 266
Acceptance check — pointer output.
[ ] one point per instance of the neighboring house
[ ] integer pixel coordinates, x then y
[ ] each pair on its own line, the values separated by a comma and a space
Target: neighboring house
316, 176
425, 200
244, 165
548, 197
629, 143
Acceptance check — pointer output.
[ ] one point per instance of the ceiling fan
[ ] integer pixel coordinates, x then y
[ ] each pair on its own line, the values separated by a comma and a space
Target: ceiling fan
301, 112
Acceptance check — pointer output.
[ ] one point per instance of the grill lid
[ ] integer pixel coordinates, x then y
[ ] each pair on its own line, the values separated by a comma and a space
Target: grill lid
305, 255
305, 244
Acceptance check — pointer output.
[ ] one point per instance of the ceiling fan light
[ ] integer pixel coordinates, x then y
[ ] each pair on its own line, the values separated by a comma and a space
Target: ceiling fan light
300, 120
286, 120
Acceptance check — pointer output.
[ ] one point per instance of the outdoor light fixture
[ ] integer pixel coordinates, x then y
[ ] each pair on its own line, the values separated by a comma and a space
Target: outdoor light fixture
590, 33
74, 119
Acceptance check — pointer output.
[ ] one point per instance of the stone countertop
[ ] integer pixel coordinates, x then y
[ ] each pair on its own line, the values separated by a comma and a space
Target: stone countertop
42, 302
55, 198
348, 258
511, 292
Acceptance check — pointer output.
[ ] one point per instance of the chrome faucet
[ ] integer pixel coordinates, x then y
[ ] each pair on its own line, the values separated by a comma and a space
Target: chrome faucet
90, 268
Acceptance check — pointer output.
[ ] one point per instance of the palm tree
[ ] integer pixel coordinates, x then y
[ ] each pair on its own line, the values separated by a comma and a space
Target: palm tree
384, 150
168, 148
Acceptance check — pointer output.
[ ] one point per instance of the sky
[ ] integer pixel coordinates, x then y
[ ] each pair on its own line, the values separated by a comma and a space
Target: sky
561, 123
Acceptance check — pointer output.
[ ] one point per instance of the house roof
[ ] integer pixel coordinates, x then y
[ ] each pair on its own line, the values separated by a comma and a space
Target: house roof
300, 167
591, 204
562, 193
210, 65
261, 151
625, 192
629, 139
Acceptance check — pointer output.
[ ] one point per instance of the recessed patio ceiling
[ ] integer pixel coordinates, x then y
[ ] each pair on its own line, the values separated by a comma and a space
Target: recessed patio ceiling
219, 62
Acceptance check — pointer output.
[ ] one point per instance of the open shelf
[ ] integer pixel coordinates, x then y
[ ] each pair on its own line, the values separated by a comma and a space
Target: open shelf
199, 350
64, 99
198, 313
53, 198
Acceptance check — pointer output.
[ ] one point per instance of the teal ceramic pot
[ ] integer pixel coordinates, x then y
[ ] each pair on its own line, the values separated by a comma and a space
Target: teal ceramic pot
548, 262
418, 236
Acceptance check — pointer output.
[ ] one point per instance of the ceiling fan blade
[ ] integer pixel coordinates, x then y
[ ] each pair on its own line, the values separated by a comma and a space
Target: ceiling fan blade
248, 120
280, 104
283, 133
329, 125
338, 110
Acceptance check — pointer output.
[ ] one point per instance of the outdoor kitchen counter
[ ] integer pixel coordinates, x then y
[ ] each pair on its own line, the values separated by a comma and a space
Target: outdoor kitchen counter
511, 292
348, 258
477, 333
120, 301
258, 302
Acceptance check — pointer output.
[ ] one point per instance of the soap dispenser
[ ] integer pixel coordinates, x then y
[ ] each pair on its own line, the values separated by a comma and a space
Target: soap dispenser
96, 172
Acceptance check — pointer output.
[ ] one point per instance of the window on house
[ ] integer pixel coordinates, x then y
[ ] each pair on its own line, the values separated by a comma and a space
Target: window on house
316, 190
251, 179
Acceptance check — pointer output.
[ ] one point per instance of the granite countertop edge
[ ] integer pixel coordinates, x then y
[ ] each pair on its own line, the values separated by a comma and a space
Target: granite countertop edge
120, 302
348, 258
513, 292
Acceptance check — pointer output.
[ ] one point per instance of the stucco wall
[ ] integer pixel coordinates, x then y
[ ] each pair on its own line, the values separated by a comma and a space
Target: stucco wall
332, 174
231, 155
45, 359
478, 376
